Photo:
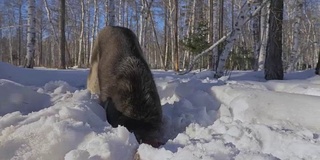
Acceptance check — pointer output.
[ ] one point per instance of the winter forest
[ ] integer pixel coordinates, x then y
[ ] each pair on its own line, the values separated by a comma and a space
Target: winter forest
271, 35
222, 80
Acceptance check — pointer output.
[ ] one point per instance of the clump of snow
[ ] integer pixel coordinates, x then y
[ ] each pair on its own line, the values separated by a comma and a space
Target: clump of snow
52, 116
16, 97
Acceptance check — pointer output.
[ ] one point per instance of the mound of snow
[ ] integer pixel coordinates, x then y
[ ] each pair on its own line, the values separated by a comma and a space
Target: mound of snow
16, 97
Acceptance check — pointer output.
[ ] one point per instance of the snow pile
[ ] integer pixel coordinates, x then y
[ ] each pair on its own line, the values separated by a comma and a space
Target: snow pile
52, 116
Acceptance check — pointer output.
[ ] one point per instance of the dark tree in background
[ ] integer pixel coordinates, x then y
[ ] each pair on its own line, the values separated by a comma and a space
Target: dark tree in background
62, 34
318, 66
273, 63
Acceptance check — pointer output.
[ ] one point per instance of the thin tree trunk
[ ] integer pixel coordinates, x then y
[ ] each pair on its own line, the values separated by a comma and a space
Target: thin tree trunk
20, 34
318, 66
31, 35
264, 36
256, 37
95, 26
296, 36
51, 22
221, 28
81, 37
10, 46
230, 37
142, 23
273, 64
166, 35
241, 20
62, 34
215, 31
111, 13
176, 40
1, 49
87, 33
155, 34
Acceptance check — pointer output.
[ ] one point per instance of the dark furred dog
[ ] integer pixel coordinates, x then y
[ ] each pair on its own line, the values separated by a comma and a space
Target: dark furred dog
122, 79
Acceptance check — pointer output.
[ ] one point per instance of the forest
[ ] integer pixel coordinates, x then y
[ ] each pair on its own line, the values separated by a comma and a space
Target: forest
275, 36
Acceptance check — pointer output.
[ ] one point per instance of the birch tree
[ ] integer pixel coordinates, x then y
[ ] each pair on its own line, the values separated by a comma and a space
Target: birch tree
62, 34
256, 37
264, 29
230, 37
273, 63
31, 35
296, 36
81, 37
95, 25
241, 20
215, 31
55, 38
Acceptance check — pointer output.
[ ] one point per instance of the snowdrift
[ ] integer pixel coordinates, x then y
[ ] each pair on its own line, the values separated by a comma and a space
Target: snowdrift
48, 114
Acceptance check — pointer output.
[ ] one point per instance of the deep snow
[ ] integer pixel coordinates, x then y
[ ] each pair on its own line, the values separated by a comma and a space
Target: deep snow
48, 114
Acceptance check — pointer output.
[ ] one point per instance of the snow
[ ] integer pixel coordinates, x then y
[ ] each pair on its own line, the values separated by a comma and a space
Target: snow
48, 114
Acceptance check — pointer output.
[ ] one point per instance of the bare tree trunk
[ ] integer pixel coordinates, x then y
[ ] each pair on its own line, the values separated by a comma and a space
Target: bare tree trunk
155, 33
215, 52
190, 30
87, 37
221, 28
31, 35
318, 66
40, 31
166, 38
142, 23
1, 49
211, 33
111, 13
20, 34
296, 36
126, 15
256, 37
273, 64
243, 17
51, 22
241, 20
176, 40
62, 34
81, 38
264, 36
10, 46
95, 26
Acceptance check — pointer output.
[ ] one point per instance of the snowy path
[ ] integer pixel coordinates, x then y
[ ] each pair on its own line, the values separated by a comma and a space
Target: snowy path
46, 114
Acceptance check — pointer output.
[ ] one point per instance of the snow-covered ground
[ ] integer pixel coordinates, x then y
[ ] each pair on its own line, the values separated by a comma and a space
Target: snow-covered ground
48, 114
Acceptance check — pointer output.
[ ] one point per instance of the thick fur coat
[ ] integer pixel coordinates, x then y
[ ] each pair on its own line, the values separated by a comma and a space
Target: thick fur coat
121, 77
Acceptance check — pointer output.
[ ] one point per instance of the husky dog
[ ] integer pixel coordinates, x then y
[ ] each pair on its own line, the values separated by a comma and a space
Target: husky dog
121, 77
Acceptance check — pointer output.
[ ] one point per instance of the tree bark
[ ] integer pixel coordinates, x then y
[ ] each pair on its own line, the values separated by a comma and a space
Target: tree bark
256, 37
176, 40
95, 26
273, 63
62, 34
241, 20
81, 37
264, 36
31, 35
296, 36
111, 13
318, 66
230, 37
